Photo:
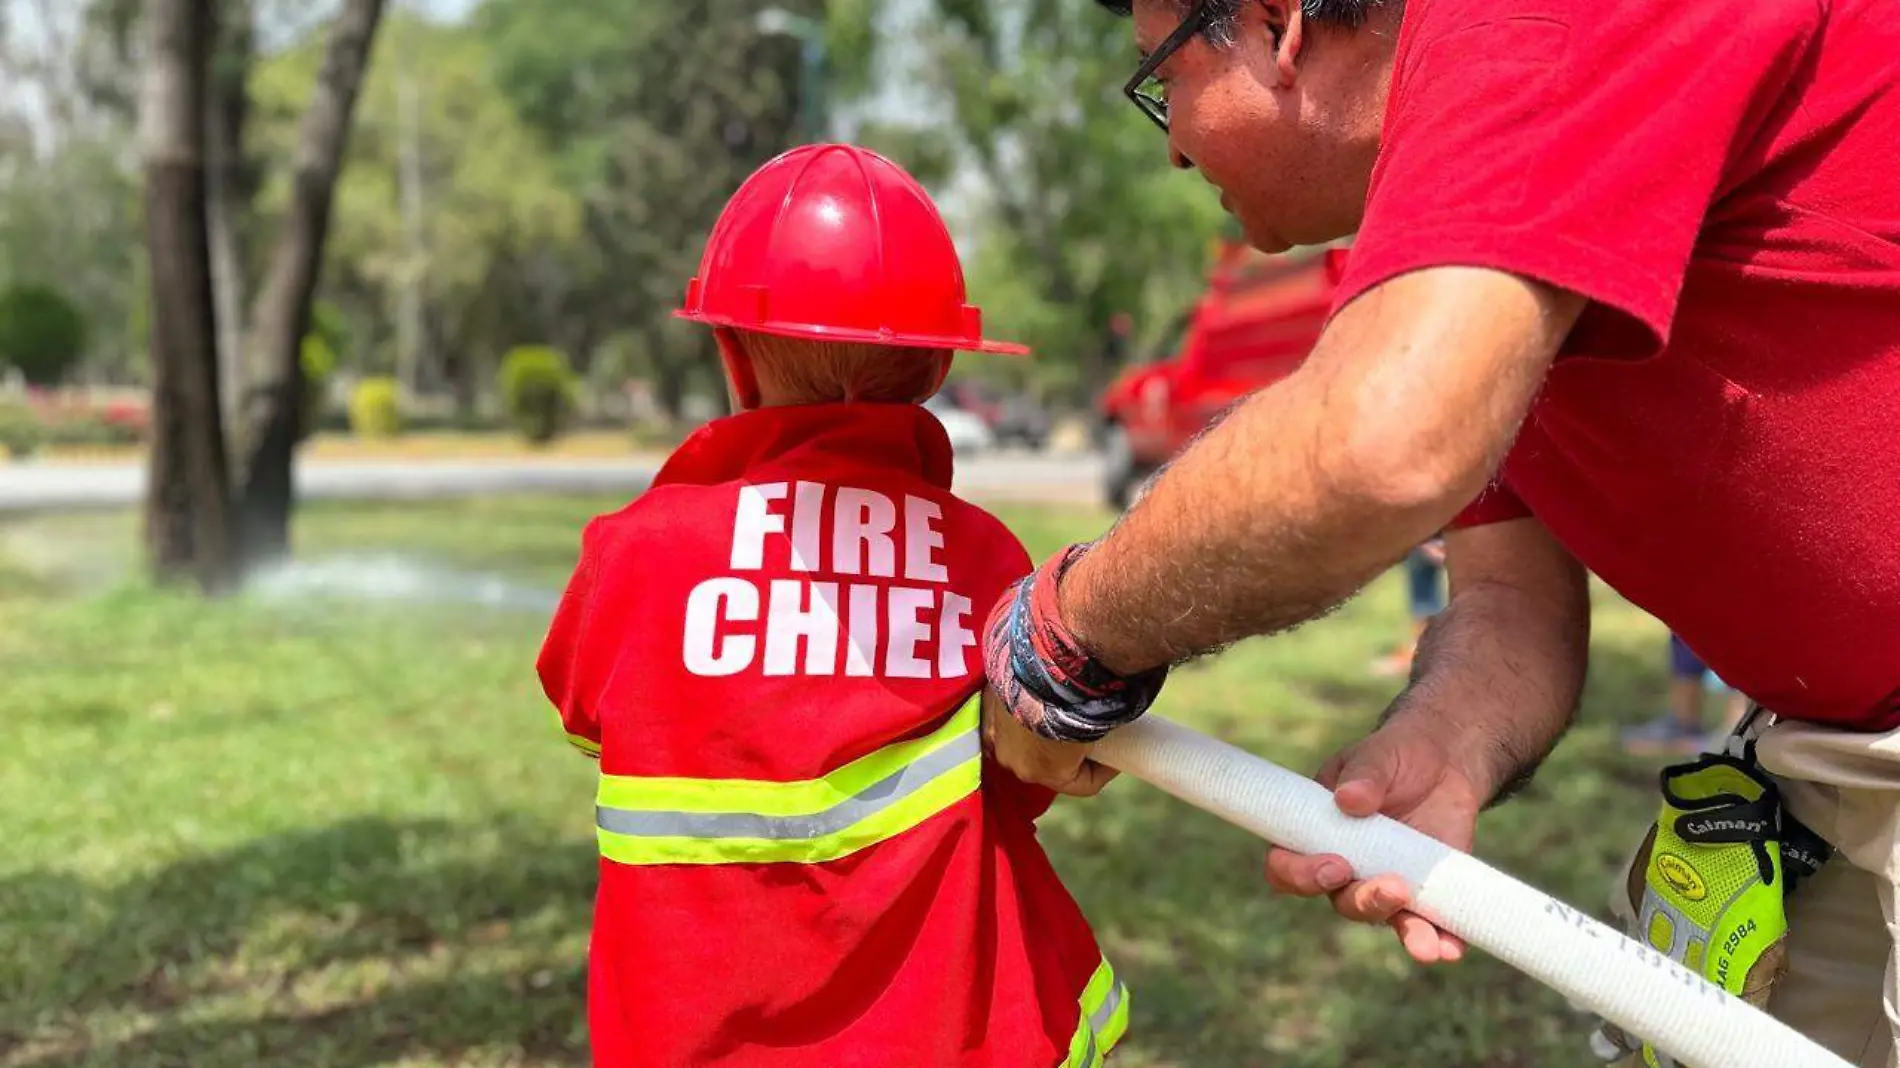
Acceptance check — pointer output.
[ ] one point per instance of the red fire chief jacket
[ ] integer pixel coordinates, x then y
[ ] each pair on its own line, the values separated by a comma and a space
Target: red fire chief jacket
805, 858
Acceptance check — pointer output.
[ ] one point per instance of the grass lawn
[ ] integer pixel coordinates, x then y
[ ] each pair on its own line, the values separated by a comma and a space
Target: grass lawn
308, 833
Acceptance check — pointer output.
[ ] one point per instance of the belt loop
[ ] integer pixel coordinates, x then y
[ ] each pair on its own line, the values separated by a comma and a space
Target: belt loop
1741, 742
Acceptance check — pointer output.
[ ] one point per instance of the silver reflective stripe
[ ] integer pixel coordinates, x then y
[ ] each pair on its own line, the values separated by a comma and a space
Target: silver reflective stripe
1088, 1052
853, 810
1099, 1021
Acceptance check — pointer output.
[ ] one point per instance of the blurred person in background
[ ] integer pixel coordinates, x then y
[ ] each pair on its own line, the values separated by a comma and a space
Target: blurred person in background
1119, 344
1680, 731
1425, 598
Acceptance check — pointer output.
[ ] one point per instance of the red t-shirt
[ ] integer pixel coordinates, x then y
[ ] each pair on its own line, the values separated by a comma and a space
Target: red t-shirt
799, 589
1720, 437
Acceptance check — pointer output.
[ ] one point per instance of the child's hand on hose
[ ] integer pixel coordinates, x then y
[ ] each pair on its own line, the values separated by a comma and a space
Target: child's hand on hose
1406, 773
1064, 767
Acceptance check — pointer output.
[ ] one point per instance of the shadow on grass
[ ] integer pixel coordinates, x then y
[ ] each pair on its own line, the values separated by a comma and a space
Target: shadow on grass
372, 942
460, 950
442, 1020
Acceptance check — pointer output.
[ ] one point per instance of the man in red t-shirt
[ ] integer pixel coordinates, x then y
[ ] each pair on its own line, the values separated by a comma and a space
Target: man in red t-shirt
1625, 295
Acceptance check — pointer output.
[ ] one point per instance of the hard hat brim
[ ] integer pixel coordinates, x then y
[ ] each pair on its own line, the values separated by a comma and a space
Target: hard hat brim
893, 339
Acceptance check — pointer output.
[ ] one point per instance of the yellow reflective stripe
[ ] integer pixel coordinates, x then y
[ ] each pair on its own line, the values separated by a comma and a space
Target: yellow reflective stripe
939, 794
1102, 1022
1096, 993
724, 821
781, 798
581, 742
1082, 1050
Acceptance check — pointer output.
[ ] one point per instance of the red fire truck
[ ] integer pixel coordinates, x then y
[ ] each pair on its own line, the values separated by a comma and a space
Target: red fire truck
1255, 323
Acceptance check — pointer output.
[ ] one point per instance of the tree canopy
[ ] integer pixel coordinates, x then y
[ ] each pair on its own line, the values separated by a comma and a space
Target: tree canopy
544, 172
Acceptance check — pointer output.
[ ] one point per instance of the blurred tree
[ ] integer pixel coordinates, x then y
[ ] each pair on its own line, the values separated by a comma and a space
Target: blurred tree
233, 177
187, 504
70, 220
280, 315
537, 390
376, 408
41, 334
445, 193
319, 368
654, 113
69, 213
108, 52
327, 325
69, 193
1078, 214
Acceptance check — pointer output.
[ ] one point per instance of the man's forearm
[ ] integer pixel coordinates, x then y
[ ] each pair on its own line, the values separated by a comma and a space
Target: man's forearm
1311, 488
1245, 534
1499, 673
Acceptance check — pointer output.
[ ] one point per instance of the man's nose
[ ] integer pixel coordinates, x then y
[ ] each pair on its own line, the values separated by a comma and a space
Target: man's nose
1179, 158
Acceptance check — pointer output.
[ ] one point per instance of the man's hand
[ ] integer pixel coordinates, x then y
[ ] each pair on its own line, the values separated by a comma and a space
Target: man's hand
1499, 674
1407, 774
1064, 767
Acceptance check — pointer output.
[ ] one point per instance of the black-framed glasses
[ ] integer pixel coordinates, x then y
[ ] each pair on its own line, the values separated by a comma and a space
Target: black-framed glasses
1147, 91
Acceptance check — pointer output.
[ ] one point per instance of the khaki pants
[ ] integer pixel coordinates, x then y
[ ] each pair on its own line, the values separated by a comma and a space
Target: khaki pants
1842, 988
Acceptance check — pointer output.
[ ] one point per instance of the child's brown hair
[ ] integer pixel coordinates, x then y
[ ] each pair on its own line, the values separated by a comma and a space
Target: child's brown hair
802, 371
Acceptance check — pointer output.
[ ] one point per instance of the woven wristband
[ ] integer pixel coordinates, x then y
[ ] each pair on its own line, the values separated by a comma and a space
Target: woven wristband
1081, 698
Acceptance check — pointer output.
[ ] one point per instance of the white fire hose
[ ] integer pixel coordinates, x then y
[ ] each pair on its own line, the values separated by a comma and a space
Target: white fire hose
1597, 967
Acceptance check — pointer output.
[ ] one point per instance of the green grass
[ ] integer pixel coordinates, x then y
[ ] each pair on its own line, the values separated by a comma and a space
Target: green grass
326, 834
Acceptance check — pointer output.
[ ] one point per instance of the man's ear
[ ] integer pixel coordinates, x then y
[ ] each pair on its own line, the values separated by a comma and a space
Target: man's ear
1286, 23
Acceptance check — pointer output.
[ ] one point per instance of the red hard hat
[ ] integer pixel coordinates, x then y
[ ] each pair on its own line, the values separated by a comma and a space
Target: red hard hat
837, 243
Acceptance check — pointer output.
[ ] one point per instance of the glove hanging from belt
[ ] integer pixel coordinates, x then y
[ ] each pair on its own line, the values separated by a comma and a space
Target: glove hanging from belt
1709, 885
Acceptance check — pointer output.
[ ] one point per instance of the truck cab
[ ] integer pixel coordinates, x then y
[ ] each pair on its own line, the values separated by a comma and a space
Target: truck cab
1254, 325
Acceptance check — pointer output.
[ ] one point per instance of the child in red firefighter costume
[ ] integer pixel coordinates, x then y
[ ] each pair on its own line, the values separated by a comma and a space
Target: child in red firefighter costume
806, 861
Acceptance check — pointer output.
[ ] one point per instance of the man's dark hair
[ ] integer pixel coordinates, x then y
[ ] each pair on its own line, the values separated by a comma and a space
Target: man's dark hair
1221, 13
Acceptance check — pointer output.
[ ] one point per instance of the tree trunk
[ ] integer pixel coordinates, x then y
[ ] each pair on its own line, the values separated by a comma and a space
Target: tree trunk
232, 192
412, 333
463, 372
187, 523
281, 316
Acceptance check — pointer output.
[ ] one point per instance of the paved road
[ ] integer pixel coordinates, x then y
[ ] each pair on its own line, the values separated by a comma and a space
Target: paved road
40, 487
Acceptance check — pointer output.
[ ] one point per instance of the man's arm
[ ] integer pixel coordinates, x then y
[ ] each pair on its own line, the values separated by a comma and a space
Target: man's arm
1316, 485
1500, 670
1495, 686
